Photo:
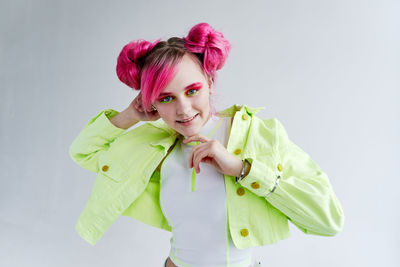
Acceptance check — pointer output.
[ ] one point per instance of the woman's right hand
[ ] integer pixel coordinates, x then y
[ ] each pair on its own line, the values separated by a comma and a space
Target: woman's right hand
138, 111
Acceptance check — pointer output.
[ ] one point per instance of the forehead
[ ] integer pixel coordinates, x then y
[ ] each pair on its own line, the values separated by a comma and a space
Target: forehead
188, 72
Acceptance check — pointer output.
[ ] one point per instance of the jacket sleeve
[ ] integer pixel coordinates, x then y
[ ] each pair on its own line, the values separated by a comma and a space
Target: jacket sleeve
303, 193
94, 139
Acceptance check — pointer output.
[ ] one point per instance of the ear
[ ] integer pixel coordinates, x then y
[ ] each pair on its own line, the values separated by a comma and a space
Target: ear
211, 85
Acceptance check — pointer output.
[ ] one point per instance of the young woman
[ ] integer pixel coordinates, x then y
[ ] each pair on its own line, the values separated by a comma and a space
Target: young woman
222, 182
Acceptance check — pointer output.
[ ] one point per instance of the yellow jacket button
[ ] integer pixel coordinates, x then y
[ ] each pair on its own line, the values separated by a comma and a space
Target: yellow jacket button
245, 116
280, 167
240, 191
255, 185
237, 151
104, 168
244, 232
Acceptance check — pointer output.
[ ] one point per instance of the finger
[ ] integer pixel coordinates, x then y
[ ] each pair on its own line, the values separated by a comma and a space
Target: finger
193, 138
192, 153
201, 153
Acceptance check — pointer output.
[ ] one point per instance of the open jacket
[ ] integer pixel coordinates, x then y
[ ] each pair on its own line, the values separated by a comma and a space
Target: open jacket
128, 183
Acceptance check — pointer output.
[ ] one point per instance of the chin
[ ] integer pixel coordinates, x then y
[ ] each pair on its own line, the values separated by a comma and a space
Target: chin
189, 133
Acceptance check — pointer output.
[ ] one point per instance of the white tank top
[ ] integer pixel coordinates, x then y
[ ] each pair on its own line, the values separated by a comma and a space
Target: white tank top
195, 207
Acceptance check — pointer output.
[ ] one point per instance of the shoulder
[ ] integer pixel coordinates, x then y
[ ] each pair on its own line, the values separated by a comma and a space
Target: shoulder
272, 125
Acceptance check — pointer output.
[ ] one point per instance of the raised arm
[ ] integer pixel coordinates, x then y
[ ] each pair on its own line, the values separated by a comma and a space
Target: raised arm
95, 138
103, 129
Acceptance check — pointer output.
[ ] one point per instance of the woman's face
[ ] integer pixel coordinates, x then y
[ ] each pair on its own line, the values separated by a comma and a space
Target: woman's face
187, 96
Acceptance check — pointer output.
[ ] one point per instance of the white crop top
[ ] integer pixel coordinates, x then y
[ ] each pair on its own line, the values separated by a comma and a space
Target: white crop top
194, 205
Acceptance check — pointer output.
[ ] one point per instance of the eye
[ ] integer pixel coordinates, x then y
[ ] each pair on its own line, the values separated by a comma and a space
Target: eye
163, 99
193, 90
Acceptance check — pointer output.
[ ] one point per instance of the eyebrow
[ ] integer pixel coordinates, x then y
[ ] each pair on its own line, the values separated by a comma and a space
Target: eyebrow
196, 84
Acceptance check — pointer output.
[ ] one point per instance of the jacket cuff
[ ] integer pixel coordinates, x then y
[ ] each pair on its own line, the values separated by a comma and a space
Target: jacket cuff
261, 178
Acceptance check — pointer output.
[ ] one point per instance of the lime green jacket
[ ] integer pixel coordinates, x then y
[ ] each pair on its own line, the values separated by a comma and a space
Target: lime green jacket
128, 183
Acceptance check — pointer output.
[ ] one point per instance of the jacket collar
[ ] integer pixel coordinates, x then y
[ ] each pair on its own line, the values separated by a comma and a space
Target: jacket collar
171, 134
231, 111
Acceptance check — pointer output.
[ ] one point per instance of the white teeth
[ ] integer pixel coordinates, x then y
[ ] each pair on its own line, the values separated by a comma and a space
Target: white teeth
189, 119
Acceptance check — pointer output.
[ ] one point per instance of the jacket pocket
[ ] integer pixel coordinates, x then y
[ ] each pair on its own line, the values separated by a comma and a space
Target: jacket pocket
110, 168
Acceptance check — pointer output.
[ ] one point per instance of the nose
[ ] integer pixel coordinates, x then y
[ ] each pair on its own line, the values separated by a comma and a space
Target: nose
183, 107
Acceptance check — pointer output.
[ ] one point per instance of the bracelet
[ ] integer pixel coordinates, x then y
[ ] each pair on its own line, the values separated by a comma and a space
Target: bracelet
276, 184
238, 179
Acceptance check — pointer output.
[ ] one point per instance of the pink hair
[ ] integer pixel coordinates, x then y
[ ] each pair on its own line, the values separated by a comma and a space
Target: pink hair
149, 67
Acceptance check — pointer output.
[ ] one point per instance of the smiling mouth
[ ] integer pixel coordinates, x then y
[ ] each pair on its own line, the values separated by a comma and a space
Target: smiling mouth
192, 118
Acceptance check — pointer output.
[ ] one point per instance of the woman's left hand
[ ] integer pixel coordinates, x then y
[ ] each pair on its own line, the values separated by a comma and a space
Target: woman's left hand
213, 152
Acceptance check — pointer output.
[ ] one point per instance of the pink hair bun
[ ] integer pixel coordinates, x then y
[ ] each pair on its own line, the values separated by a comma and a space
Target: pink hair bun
128, 65
203, 39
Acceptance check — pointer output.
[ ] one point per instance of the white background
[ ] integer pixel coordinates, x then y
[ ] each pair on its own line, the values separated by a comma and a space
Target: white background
328, 70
